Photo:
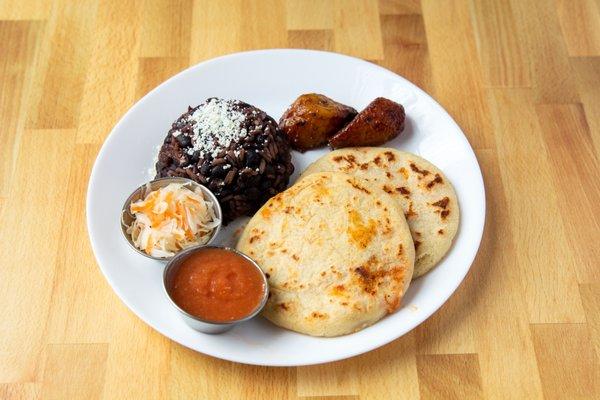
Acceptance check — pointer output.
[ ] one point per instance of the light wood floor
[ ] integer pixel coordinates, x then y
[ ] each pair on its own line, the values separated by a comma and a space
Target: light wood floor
521, 77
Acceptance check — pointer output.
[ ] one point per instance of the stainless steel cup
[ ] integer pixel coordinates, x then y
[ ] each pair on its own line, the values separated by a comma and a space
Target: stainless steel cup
142, 191
197, 323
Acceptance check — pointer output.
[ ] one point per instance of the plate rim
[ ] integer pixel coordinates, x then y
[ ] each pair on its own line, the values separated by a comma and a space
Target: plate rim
314, 360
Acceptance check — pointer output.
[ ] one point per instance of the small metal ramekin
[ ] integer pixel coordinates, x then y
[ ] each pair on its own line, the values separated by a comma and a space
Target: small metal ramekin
142, 191
197, 323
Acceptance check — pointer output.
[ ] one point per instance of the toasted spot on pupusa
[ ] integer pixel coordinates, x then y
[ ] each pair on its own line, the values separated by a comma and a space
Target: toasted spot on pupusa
345, 255
426, 196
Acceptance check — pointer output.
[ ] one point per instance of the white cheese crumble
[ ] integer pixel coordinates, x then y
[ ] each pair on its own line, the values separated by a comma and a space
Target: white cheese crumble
216, 125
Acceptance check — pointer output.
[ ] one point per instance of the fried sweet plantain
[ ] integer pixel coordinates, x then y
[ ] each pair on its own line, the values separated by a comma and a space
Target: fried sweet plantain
312, 119
379, 122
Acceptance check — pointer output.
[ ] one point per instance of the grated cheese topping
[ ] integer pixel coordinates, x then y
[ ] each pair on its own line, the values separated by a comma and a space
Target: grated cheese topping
171, 219
216, 124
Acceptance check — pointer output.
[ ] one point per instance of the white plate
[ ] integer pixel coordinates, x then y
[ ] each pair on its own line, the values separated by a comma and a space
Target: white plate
271, 80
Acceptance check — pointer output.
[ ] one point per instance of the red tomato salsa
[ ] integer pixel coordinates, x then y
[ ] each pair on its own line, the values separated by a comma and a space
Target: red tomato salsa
217, 285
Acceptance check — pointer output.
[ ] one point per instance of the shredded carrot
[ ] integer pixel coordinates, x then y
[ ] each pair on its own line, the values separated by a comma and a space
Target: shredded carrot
170, 219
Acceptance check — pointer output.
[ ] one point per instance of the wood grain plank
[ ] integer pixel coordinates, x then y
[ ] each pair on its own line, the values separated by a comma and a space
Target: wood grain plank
399, 7
575, 169
19, 391
165, 30
263, 25
501, 328
26, 274
500, 44
81, 304
311, 39
155, 70
333, 379
185, 362
234, 25
552, 77
405, 49
25, 10
264, 382
546, 263
455, 320
18, 44
580, 24
449, 376
309, 14
590, 296
215, 29
241, 381
588, 86
568, 368
64, 66
137, 365
357, 30
110, 85
74, 371
397, 359
455, 67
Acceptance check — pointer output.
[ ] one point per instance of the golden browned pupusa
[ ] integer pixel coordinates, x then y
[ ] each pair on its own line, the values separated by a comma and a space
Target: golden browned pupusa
360, 233
337, 252
426, 197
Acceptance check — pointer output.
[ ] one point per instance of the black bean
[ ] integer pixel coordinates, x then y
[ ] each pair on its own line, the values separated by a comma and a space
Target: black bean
253, 193
230, 156
253, 180
195, 158
221, 154
229, 177
184, 140
218, 161
214, 184
252, 159
266, 155
205, 168
218, 172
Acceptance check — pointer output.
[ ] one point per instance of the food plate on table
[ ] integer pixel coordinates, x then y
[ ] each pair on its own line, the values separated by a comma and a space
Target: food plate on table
407, 245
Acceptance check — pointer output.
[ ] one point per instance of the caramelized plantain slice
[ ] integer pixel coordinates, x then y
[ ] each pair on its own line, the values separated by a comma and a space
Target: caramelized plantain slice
312, 119
379, 122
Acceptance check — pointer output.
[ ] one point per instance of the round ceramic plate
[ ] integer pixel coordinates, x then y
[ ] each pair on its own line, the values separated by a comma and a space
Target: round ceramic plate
271, 80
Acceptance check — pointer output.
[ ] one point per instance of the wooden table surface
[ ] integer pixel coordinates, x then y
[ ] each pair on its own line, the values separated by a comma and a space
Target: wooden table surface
521, 77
